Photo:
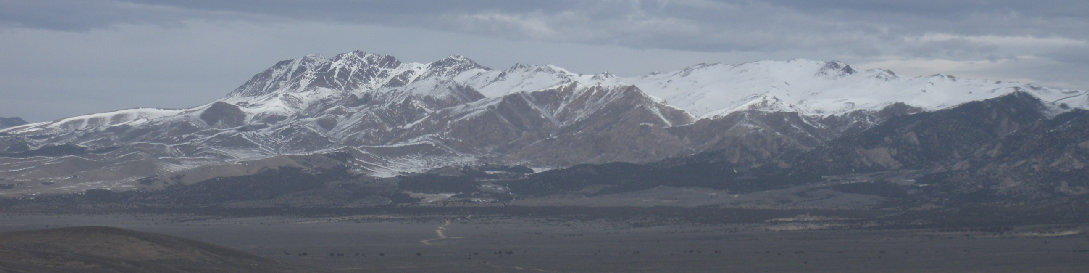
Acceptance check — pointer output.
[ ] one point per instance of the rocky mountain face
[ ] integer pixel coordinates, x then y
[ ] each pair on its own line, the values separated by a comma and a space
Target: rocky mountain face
376, 115
1046, 159
925, 140
1005, 151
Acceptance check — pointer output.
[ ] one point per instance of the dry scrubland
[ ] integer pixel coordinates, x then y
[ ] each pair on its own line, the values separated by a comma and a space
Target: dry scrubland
482, 243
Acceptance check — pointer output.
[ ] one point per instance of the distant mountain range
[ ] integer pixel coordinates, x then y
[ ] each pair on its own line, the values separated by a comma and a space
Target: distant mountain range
375, 115
12, 121
1006, 150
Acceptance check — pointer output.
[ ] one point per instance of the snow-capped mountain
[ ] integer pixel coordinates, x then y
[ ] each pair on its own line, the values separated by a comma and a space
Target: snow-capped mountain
824, 89
391, 116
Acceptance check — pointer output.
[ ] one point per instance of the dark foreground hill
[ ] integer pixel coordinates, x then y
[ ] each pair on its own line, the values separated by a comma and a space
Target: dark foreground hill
108, 249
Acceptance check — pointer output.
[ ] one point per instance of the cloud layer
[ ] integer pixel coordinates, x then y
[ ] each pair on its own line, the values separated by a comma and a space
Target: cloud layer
182, 53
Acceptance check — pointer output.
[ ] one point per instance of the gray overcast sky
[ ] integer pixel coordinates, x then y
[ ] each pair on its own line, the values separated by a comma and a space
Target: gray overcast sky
61, 58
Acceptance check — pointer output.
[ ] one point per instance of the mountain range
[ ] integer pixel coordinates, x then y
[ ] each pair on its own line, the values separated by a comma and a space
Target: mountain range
374, 115
12, 121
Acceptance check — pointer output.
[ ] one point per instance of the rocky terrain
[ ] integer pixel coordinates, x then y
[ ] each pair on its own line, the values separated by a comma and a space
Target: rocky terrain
362, 129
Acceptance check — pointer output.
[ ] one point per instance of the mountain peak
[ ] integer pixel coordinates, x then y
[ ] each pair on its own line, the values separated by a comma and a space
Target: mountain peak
404, 116
807, 67
346, 71
811, 87
548, 68
359, 57
456, 58
518, 66
823, 88
836, 68
457, 63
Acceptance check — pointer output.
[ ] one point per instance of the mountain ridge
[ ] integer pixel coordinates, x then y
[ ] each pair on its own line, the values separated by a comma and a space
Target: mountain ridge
1060, 99
11, 122
394, 117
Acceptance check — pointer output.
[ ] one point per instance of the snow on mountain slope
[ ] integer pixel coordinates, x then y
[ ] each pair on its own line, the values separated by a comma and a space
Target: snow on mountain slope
706, 90
294, 85
521, 78
358, 98
824, 88
406, 116
359, 71
372, 104
347, 71
566, 125
130, 117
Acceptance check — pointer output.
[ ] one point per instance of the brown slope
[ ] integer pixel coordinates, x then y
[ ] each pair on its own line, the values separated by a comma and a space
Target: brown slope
109, 249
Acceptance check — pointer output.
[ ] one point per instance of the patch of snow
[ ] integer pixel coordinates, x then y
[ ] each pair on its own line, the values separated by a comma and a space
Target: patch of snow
812, 88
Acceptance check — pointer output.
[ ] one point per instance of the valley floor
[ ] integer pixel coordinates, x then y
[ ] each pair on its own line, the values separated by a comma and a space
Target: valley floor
492, 243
